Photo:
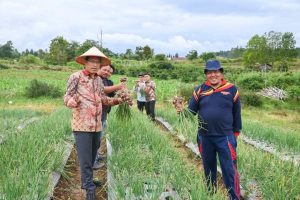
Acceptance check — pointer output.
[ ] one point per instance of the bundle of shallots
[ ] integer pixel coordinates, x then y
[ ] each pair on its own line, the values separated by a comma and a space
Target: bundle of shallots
187, 123
123, 111
178, 103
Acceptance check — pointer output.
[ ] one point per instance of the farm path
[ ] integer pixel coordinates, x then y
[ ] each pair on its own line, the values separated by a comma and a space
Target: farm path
189, 158
69, 188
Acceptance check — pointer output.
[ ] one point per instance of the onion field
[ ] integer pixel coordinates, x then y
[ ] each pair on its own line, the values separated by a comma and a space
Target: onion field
145, 162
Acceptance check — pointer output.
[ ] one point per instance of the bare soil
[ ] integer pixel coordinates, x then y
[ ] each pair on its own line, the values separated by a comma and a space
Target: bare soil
69, 186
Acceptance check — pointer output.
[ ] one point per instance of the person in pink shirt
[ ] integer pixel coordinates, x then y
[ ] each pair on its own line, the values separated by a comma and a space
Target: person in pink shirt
150, 96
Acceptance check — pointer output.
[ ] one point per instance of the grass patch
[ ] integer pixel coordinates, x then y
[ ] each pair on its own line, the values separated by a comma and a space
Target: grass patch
29, 157
143, 154
277, 179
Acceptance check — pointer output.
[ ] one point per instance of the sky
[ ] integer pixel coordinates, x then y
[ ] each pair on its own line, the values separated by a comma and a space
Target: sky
167, 26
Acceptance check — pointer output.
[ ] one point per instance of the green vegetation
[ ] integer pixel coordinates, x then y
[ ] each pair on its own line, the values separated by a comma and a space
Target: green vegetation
2, 66
10, 119
142, 154
282, 138
37, 89
14, 82
31, 59
274, 49
251, 99
28, 157
251, 81
163, 70
276, 178
187, 128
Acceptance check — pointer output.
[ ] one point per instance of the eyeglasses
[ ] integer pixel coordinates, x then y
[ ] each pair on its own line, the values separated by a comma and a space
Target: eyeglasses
94, 61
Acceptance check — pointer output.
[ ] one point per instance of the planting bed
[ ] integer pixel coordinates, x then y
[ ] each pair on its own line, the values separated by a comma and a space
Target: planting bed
69, 186
268, 174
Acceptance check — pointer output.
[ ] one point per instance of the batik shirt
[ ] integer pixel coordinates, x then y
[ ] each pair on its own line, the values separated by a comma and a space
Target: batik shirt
150, 95
89, 95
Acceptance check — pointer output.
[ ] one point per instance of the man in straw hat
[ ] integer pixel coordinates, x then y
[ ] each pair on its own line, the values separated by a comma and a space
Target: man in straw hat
85, 96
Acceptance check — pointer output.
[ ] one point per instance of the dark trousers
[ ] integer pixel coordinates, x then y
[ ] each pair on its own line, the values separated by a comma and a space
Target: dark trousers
87, 144
150, 109
225, 147
141, 105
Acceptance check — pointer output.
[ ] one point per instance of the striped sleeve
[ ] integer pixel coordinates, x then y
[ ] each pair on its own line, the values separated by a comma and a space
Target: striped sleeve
236, 96
195, 96
194, 102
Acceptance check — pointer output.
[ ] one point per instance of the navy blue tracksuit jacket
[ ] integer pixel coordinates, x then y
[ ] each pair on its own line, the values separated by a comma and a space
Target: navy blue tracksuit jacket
219, 109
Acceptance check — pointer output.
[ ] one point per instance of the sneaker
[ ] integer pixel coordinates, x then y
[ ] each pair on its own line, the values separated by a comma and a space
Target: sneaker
97, 157
98, 165
100, 157
97, 183
103, 158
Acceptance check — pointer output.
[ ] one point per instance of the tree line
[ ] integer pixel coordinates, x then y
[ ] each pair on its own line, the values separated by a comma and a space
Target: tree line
268, 49
62, 51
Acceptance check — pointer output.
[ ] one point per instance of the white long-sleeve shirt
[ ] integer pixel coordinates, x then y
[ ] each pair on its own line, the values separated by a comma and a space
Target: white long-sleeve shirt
140, 91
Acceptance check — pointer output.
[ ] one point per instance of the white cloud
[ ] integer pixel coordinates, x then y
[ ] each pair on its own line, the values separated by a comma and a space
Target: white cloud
174, 44
165, 25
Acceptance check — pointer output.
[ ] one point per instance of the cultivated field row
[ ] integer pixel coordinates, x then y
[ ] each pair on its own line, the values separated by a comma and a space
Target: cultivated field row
255, 164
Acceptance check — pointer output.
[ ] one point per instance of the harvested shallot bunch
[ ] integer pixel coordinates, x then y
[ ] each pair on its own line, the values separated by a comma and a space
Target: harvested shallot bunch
187, 123
123, 111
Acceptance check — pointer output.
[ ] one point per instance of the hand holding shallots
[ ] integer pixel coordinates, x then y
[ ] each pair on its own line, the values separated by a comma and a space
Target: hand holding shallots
178, 103
123, 111
126, 96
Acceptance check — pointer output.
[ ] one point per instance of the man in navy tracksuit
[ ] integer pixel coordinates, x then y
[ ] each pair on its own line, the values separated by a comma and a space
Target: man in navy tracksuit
217, 103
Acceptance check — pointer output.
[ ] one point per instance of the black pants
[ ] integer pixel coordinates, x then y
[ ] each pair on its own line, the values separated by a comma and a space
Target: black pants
141, 105
150, 109
87, 144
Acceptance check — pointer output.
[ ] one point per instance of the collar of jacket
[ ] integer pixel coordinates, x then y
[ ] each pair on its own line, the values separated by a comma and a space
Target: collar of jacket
86, 72
223, 82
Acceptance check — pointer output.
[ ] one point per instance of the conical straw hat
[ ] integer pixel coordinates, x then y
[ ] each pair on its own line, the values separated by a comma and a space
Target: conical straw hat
94, 51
